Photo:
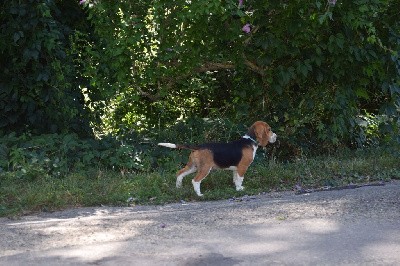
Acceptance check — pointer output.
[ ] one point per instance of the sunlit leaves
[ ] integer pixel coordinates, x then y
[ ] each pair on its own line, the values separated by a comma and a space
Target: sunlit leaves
173, 59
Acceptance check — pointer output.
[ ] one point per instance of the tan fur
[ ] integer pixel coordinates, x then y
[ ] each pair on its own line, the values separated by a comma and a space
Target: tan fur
203, 161
244, 164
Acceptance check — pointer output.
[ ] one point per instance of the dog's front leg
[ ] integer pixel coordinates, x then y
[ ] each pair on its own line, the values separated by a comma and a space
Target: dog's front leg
238, 180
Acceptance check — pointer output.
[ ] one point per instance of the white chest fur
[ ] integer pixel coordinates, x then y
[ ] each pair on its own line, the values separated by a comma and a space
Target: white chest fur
254, 151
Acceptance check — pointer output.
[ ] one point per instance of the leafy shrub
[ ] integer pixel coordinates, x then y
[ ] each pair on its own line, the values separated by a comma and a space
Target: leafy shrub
39, 89
196, 60
370, 130
55, 155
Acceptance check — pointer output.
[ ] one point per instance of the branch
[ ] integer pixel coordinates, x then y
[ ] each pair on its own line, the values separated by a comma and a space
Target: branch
212, 66
209, 66
149, 96
254, 67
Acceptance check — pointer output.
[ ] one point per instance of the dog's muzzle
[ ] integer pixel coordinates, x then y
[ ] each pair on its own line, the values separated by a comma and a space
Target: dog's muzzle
272, 139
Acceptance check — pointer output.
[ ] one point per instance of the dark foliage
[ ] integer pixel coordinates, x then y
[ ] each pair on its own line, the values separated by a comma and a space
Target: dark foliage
39, 84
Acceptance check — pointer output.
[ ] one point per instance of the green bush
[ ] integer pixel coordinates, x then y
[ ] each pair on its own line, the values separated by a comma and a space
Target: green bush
55, 155
164, 61
39, 88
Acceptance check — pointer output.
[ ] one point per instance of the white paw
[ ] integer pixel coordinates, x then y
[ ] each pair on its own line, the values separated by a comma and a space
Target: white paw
196, 186
178, 184
241, 188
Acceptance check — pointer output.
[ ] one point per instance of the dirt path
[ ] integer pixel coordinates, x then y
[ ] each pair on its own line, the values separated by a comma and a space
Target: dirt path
352, 226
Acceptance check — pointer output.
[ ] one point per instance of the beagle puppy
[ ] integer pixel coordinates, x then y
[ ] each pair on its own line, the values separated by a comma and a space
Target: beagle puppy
236, 156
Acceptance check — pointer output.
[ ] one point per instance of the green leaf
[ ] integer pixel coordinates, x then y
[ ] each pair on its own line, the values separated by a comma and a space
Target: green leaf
16, 37
340, 40
322, 19
362, 93
320, 77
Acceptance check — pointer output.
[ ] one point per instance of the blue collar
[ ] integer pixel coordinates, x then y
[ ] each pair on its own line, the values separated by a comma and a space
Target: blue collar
250, 138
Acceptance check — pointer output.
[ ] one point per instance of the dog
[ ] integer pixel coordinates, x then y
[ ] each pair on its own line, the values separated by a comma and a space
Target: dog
236, 156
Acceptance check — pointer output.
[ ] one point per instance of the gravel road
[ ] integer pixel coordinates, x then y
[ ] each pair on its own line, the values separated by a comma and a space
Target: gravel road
345, 227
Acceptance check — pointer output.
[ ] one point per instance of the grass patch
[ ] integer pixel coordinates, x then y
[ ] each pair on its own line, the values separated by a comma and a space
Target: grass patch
20, 195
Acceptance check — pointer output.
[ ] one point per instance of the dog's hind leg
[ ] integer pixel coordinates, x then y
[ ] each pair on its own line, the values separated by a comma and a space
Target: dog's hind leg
184, 172
202, 173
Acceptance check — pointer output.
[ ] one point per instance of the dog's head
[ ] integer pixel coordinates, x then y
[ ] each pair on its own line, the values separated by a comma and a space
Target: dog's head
263, 133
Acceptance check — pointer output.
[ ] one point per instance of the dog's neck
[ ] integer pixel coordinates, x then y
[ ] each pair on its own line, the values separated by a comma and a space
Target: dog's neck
250, 138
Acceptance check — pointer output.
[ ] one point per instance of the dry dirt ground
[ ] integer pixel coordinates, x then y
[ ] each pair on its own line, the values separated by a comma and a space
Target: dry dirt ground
346, 227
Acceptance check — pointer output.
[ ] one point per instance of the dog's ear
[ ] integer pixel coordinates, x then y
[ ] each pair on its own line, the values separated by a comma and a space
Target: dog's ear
262, 135
260, 131
251, 132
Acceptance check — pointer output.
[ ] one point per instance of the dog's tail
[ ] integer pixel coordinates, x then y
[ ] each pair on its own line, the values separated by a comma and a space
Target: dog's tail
176, 146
